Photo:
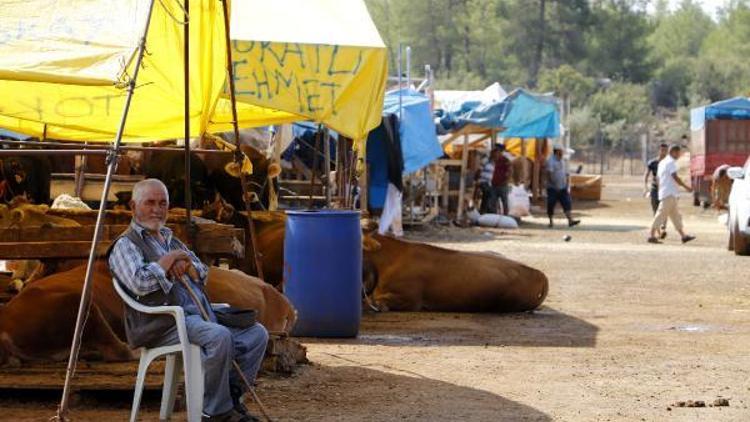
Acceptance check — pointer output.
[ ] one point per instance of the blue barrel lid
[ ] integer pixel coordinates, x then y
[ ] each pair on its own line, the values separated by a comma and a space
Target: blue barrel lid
322, 213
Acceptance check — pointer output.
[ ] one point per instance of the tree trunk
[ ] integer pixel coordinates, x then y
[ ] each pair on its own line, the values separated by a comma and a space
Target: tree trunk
536, 63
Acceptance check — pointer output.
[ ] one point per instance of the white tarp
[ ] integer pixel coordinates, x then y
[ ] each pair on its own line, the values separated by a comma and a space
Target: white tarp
324, 22
452, 100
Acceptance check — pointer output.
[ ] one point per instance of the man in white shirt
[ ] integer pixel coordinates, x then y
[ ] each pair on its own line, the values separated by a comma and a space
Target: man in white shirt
669, 193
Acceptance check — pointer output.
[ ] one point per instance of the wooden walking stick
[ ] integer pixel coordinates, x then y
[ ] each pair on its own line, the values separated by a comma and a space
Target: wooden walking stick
235, 365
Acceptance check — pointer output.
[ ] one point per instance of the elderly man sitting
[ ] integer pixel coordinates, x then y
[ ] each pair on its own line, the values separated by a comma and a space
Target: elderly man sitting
151, 263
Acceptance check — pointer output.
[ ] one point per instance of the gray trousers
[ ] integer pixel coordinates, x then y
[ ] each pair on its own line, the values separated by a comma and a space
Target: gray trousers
219, 345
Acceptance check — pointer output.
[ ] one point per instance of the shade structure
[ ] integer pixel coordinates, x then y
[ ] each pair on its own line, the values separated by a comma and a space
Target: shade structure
71, 88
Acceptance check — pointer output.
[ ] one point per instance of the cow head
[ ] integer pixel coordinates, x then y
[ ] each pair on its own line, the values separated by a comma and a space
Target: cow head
220, 211
369, 271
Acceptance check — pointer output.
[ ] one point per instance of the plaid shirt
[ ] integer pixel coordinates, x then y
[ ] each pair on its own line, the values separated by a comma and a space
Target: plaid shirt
127, 262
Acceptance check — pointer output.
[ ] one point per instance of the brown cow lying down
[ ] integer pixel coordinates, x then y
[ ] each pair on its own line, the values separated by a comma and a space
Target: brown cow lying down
410, 276
38, 323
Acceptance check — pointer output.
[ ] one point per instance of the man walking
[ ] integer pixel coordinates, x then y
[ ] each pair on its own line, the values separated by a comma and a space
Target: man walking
557, 187
651, 169
669, 193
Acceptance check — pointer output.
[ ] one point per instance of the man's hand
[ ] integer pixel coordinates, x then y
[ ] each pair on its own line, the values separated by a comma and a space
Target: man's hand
179, 268
168, 260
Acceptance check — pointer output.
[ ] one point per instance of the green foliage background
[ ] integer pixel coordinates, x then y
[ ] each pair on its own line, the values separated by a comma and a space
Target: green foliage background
622, 68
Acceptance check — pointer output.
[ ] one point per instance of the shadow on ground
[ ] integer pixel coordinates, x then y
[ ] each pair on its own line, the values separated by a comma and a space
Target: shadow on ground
331, 393
375, 393
545, 327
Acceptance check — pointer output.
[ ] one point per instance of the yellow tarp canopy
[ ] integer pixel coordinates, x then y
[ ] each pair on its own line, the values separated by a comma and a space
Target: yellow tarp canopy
285, 69
513, 145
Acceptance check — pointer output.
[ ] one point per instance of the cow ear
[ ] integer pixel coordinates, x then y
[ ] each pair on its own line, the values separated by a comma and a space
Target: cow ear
369, 244
17, 215
274, 170
232, 169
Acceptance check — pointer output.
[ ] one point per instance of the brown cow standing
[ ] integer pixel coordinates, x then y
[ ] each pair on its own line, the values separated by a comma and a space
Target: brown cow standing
38, 323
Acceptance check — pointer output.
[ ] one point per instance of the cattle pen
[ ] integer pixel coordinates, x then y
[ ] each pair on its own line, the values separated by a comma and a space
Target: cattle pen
581, 357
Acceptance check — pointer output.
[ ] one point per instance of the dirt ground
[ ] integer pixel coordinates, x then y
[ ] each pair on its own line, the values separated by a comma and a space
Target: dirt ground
628, 329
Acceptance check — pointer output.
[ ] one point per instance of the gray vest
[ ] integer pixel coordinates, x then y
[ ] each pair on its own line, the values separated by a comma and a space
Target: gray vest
145, 330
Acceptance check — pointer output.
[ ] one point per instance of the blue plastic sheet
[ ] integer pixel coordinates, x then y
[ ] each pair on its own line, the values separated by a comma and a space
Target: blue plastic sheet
531, 116
519, 115
419, 143
13, 135
737, 108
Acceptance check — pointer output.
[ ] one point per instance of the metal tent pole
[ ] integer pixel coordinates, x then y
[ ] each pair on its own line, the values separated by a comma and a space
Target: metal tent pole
238, 153
85, 303
186, 80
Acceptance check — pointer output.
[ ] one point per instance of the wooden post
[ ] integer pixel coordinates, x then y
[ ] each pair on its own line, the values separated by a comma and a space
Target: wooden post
351, 165
524, 163
327, 166
363, 179
446, 191
537, 171
273, 197
462, 182
79, 175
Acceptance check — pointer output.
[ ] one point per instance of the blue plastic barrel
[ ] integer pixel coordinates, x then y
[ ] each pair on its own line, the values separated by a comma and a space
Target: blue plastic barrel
323, 271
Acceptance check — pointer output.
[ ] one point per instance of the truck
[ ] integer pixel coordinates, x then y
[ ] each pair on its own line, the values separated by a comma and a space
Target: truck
720, 134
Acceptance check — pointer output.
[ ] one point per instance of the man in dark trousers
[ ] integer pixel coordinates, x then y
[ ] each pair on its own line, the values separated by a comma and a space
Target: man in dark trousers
150, 263
653, 189
483, 178
556, 170
501, 178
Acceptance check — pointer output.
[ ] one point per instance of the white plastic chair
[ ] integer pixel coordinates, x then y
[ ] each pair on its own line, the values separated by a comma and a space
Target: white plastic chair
185, 352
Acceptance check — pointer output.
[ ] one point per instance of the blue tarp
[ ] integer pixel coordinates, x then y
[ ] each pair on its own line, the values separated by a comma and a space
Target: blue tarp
471, 112
519, 115
737, 108
419, 143
530, 116
377, 160
303, 145
13, 135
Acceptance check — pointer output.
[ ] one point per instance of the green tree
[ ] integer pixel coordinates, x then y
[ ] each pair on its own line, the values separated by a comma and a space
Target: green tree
566, 82
618, 41
583, 126
680, 34
671, 86
623, 109
546, 33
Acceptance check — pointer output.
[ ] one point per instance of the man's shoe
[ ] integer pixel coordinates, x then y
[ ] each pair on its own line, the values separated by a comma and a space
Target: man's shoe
230, 416
663, 234
240, 408
653, 240
572, 223
688, 238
